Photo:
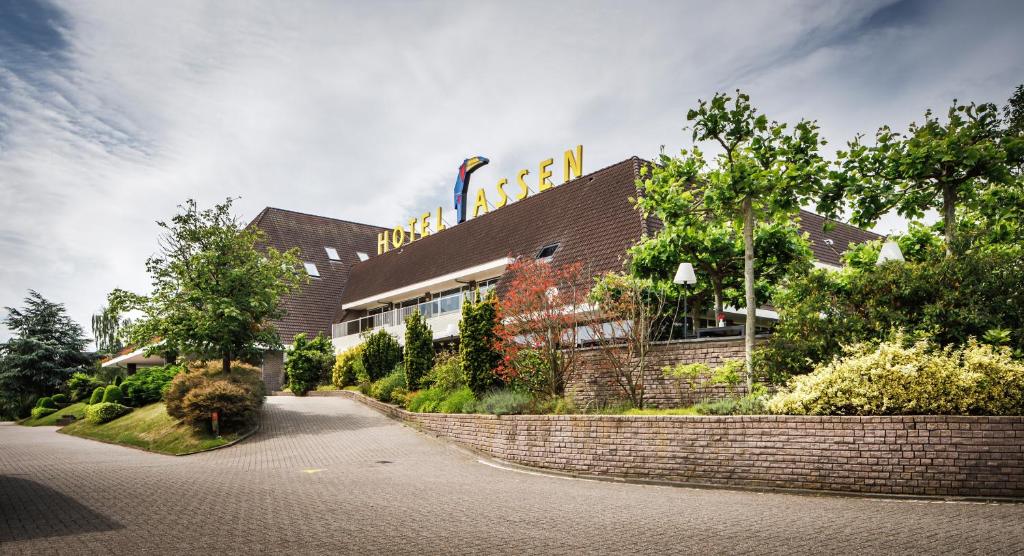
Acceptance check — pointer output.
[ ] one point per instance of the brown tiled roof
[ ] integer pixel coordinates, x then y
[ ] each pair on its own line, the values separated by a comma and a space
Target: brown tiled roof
311, 308
591, 218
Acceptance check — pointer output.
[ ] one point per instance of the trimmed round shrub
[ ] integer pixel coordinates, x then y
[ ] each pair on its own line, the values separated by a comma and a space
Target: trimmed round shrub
82, 385
148, 385
60, 399
97, 395
112, 394
236, 406
46, 402
384, 388
894, 378
242, 377
39, 412
458, 401
105, 411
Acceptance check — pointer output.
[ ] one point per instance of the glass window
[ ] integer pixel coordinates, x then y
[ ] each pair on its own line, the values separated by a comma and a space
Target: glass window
547, 251
311, 269
332, 253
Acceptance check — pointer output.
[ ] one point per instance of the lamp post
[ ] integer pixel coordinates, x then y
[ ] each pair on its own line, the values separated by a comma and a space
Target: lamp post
890, 252
685, 277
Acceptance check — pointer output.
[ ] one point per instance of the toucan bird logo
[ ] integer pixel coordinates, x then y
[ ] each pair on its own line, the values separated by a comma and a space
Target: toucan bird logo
462, 184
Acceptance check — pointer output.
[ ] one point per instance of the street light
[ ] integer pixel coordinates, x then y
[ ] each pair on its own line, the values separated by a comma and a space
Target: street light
890, 252
685, 277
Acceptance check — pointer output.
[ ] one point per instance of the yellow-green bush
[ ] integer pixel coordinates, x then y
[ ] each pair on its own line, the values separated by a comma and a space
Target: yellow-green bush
348, 366
894, 378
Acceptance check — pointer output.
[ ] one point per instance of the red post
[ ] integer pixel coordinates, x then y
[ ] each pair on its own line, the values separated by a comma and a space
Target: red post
215, 422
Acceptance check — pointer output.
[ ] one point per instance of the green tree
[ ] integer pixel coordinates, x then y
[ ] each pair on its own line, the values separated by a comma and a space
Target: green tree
46, 349
381, 354
940, 165
763, 173
108, 330
419, 349
478, 342
307, 362
215, 291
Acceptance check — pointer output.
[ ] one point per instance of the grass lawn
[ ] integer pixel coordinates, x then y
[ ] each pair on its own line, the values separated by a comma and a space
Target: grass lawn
76, 409
673, 411
150, 428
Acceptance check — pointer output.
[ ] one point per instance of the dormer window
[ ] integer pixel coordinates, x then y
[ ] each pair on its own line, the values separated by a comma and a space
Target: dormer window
362, 256
547, 251
332, 253
311, 269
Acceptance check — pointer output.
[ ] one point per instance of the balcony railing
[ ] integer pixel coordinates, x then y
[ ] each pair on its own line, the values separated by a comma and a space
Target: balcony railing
444, 305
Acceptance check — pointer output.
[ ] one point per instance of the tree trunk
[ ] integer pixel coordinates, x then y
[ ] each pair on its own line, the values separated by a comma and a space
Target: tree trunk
748, 279
719, 303
226, 363
949, 216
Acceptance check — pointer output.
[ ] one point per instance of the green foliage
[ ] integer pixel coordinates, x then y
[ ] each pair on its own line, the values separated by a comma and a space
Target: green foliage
893, 378
753, 404
105, 411
381, 353
427, 401
478, 342
458, 401
348, 367
385, 388
97, 395
919, 243
60, 399
530, 372
192, 395
46, 348
687, 374
505, 402
47, 402
215, 288
729, 374
308, 362
448, 373
81, 385
112, 394
39, 412
148, 384
419, 348
108, 331
118, 380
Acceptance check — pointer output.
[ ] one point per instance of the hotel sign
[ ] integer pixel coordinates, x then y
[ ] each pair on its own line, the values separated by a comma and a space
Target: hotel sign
420, 227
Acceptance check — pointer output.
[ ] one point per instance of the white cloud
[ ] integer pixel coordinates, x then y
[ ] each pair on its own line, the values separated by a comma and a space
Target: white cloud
364, 111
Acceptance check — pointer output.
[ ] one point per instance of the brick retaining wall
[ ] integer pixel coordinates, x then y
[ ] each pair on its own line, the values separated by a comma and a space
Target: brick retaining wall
911, 455
594, 384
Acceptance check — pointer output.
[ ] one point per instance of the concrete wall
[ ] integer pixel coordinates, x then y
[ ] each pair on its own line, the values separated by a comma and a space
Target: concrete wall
911, 455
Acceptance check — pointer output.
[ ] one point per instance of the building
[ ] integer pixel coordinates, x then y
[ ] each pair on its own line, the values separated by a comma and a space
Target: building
353, 289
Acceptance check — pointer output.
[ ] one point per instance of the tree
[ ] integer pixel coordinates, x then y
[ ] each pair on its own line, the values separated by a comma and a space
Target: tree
47, 347
478, 341
215, 292
419, 349
934, 165
308, 362
628, 311
108, 331
763, 173
542, 310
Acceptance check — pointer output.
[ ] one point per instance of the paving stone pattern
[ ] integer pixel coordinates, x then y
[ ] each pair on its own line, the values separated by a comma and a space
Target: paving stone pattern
328, 475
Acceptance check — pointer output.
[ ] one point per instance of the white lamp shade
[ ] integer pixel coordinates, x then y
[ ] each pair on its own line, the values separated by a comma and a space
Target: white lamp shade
685, 274
890, 252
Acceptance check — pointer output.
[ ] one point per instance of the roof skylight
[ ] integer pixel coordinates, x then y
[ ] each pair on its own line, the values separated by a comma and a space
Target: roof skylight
547, 251
311, 269
332, 253
362, 256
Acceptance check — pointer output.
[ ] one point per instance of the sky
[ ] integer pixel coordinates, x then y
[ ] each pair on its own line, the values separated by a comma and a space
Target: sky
112, 113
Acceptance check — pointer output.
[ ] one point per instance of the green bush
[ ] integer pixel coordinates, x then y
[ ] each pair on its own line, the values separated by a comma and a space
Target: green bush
478, 343
530, 372
47, 402
348, 365
97, 395
105, 411
447, 373
458, 401
148, 384
747, 405
419, 349
384, 388
894, 378
118, 380
308, 362
60, 399
200, 377
381, 354
112, 394
365, 387
82, 385
426, 401
505, 402
40, 412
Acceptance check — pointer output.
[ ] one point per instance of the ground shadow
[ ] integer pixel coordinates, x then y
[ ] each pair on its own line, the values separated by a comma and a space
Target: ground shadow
31, 510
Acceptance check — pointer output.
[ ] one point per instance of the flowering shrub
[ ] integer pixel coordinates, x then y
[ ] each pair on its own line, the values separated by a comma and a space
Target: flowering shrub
893, 378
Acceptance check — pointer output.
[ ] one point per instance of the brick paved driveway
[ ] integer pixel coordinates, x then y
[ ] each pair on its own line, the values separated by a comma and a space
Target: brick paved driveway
327, 475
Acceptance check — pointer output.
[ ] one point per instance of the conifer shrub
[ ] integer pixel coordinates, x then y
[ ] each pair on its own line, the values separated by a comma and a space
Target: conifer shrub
112, 394
308, 362
478, 343
201, 377
82, 385
419, 349
97, 395
348, 367
381, 354
105, 411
